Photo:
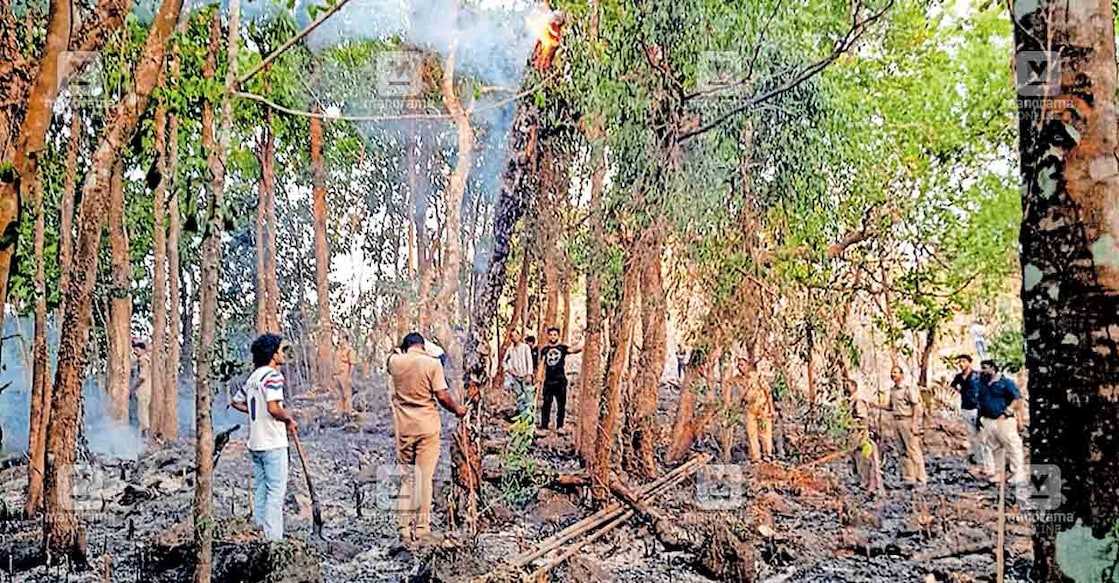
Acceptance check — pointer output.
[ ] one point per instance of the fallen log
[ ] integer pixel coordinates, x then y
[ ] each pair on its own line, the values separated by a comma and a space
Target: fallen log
973, 548
611, 520
608, 513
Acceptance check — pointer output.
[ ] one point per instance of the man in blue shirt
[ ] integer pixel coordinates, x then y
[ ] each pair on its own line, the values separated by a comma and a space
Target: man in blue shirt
967, 384
998, 428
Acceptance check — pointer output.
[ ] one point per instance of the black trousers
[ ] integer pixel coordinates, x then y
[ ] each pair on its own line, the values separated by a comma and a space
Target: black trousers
557, 392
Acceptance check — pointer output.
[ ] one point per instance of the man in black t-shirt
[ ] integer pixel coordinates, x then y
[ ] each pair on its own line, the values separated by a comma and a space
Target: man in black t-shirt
553, 356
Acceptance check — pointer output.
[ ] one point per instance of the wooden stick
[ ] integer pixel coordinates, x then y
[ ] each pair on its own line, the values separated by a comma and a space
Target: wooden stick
316, 510
1000, 562
606, 514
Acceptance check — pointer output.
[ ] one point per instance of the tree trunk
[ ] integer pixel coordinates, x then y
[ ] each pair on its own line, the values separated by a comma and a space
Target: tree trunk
30, 140
211, 271
590, 378
158, 350
120, 306
324, 357
267, 284
610, 404
926, 357
516, 321
687, 427
452, 247
810, 360
66, 205
61, 531
642, 417
1070, 283
40, 387
170, 395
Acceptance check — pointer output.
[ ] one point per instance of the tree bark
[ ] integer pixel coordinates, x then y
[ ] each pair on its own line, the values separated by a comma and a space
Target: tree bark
40, 385
642, 418
61, 531
120, 304
267, 303
1070, 283
322, 258
452, 247
158, 348
30, 140
926, 357
211, 270
610, 404
66, 205
516, 321
170, 395
590, 378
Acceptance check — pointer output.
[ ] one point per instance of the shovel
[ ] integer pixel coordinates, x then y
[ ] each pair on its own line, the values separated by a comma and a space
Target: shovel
316, 509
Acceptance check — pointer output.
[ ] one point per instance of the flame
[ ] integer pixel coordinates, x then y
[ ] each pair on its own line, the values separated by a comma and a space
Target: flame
545, 25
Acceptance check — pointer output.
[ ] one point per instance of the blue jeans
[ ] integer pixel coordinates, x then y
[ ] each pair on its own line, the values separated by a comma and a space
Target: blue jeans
270, 481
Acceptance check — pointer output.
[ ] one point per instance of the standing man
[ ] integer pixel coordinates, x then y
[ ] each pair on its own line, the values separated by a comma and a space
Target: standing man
905, 403
868, 464
518, 373
759, 411
344, 361
967, 385
142, 385
553, 356
998, 428
262, 397
418, 383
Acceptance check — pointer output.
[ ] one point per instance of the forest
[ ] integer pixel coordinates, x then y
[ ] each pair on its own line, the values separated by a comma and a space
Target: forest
823, 290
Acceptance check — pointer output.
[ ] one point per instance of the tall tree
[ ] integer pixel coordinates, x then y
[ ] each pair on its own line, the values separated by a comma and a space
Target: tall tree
217, 153
325, 360
267, 300
66, 205
61, 529
590, 378
40, 368
160, 391
653, 348
24, 148
120, 305
1070, 272
610, 405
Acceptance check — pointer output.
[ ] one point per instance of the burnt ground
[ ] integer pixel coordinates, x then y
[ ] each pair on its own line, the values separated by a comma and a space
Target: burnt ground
804, 523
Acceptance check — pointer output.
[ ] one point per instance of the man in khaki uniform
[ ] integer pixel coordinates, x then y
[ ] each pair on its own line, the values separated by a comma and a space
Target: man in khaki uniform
418, 384
866, 456
142, 385
905, 403
344, 361
759, 411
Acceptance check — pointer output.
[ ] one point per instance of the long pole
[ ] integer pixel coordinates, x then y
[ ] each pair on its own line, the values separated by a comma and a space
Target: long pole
316, 508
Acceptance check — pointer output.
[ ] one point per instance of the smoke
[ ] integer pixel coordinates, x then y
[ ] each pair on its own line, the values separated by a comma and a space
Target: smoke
104, 436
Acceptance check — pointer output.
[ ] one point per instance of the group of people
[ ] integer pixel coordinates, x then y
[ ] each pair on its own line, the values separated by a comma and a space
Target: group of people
987, 400
419, 388
522, 366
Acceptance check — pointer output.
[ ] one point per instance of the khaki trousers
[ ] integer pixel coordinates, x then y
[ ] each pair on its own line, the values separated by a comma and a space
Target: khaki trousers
417, 456
759, 435
143, 405
1001, 435
913, 464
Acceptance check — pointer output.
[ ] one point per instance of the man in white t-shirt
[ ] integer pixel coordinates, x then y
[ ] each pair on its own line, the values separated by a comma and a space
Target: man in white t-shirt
262, 398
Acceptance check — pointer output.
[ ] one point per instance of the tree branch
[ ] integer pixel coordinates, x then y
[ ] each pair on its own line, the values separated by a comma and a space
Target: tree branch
841, 46
291, 41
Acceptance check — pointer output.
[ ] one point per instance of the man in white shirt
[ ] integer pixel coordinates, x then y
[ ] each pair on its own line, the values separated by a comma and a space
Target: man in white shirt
262, 398
518, 374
